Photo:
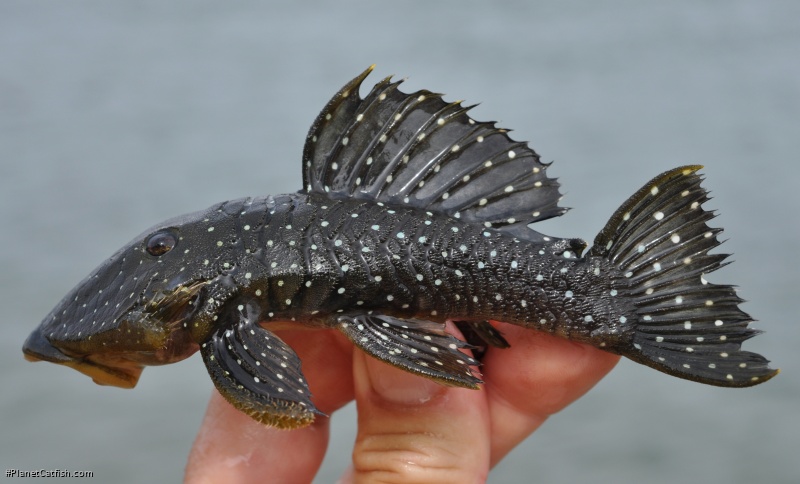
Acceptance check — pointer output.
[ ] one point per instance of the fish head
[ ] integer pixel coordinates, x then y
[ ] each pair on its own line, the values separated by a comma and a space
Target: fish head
148, 304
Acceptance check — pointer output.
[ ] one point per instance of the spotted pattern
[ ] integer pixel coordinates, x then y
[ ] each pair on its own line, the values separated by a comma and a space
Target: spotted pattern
663, 247
411, 213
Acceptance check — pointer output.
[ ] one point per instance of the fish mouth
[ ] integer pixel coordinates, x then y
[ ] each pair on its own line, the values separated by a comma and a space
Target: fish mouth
119, 372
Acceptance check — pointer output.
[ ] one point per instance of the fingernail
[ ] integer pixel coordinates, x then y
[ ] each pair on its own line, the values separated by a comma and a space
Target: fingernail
399, 386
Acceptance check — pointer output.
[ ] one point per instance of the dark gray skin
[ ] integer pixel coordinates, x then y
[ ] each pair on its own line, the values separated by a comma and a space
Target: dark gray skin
413, 214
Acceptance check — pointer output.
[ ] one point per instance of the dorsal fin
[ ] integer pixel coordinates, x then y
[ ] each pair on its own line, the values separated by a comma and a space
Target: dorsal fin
418, 150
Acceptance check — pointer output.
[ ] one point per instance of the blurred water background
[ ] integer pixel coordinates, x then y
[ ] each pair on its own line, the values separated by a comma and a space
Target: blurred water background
116, 115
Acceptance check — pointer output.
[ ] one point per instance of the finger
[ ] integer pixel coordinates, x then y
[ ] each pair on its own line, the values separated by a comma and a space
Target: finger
411, 429
538, 376
233, 448
327, 357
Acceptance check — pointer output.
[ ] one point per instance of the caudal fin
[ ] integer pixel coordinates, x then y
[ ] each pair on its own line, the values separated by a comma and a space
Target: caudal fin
685, 326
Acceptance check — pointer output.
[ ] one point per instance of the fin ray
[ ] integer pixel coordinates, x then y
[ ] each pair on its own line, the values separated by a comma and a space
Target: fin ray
414, 345
258, 373
685, 326
419, 151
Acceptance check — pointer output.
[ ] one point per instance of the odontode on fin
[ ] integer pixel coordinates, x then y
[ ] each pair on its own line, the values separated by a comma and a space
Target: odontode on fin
684, 326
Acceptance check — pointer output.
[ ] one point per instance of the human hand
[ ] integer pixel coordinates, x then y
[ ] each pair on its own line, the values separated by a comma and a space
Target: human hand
410, 429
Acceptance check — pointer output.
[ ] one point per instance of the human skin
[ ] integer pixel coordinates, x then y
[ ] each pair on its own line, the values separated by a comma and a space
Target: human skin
410, 429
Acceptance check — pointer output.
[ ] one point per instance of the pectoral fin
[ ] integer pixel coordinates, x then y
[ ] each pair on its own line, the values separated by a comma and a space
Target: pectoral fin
417, 346
258, 373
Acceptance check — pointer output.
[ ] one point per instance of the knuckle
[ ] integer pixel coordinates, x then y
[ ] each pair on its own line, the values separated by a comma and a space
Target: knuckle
409, 458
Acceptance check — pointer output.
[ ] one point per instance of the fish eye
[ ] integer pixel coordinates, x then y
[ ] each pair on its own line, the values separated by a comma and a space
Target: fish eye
161, 242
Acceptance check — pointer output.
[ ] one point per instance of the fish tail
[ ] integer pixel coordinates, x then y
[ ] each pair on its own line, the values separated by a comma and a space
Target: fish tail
683, 325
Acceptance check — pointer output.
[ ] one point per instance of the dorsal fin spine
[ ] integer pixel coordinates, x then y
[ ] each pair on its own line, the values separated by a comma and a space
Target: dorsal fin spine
352, 87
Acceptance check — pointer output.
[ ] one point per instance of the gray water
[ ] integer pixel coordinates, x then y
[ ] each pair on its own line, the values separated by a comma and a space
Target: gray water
116, 115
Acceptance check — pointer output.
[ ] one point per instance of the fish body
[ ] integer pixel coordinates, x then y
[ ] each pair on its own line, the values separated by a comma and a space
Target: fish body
412, 213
